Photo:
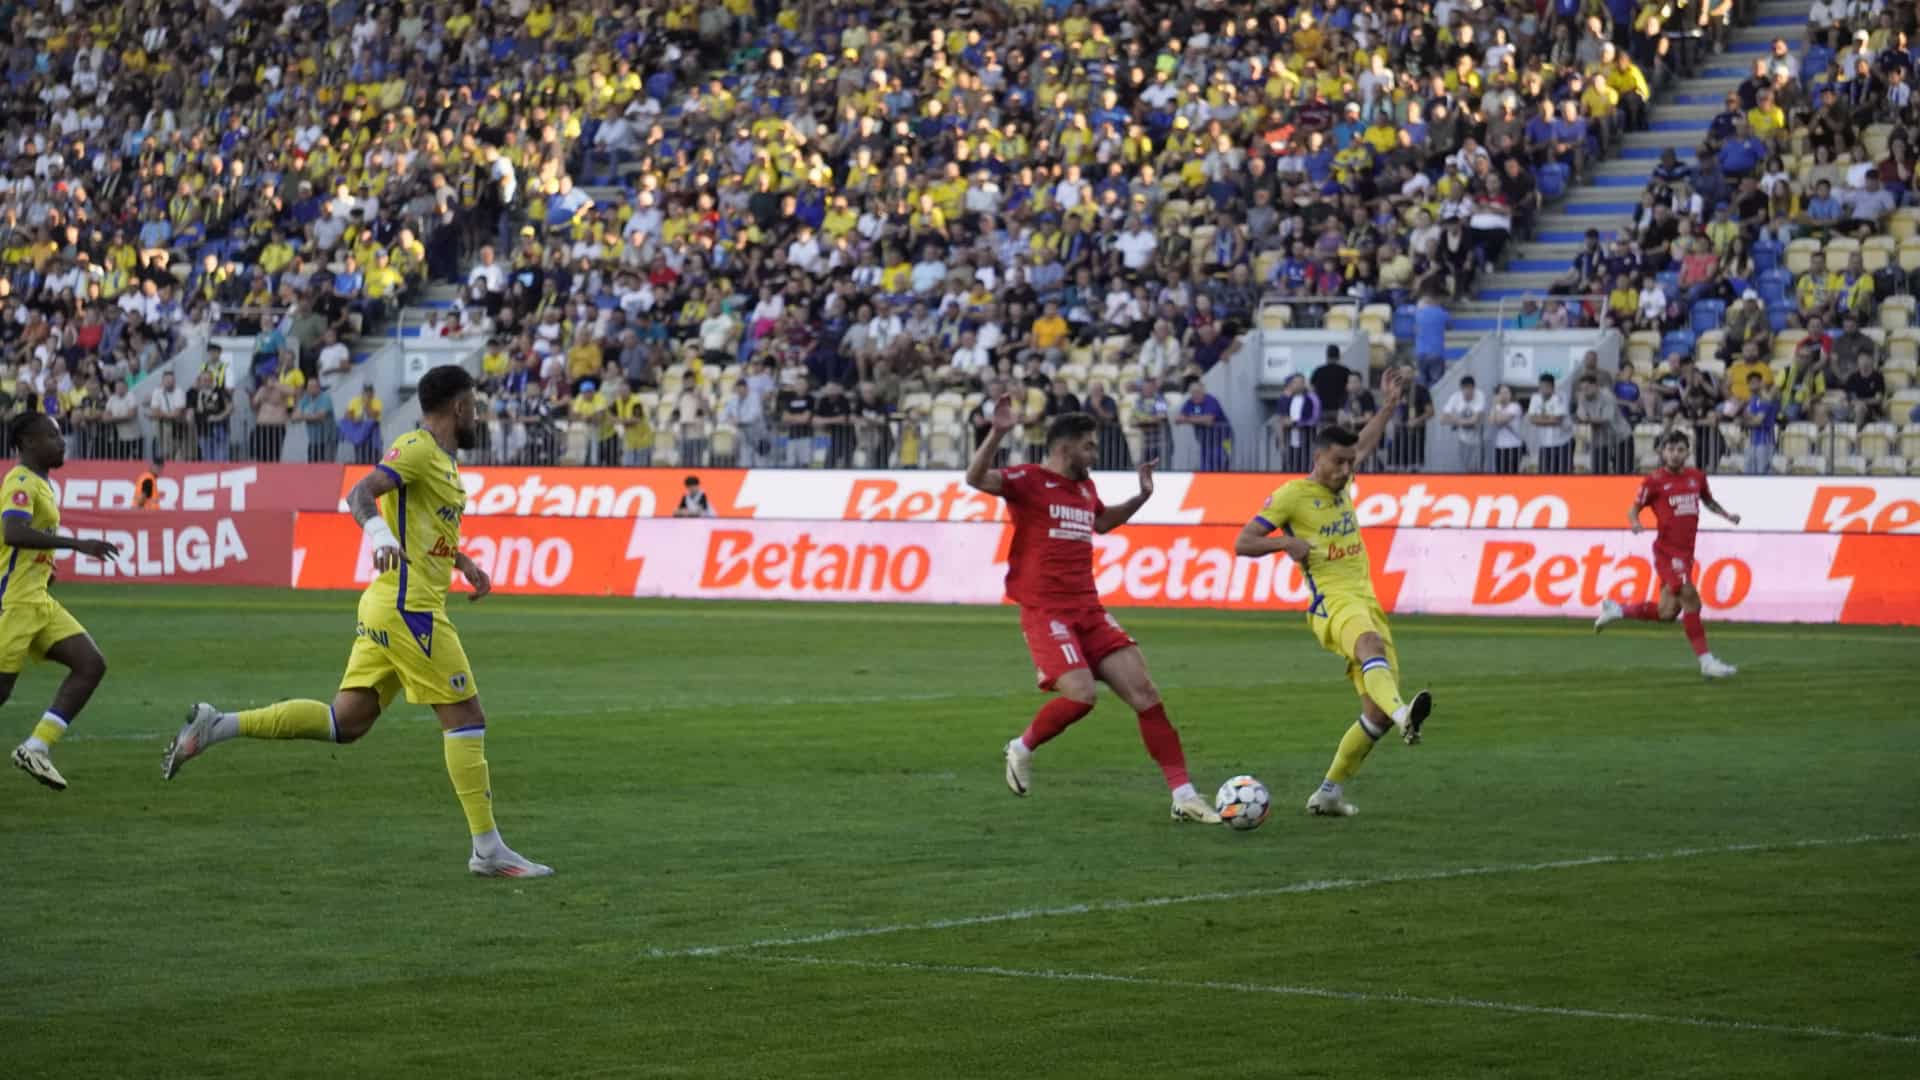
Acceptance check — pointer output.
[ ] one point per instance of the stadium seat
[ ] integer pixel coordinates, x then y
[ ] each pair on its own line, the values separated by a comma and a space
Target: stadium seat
724, 442
1340, 318
1808, 465
1839, 249
1708, 315
1851, 465
1797, 439
1643, 345
1707, 346
1909, 256
1276, 317
1713, 366
1877, 440
1376, 318
1888, 465
1903, 225
1644, 436
1896, 313
1842, 439
1799, 255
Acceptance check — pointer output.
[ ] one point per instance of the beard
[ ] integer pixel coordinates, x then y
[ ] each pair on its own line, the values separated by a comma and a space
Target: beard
466, 437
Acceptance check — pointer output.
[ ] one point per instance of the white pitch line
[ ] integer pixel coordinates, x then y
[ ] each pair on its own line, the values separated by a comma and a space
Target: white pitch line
1360, 996
1326, 885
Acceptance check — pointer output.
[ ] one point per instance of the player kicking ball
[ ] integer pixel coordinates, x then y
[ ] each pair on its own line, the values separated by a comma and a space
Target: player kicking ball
1050, 575
1676, 491
32, 623
1317, 529
409, 507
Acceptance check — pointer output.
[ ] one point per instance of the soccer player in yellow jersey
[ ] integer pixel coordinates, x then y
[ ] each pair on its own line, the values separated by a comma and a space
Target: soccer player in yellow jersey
32, 623
410, 507
1311, 520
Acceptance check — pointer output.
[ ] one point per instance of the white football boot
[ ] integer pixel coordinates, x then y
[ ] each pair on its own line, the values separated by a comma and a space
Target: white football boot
191, 739
39, 765
1195, 809
1712, 667
1409, 718
1328, 804
1019, 768
506, 862
1610, 612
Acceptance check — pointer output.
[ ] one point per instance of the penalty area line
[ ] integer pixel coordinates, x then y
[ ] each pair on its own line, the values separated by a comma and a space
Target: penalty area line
1356, 996
1094, 907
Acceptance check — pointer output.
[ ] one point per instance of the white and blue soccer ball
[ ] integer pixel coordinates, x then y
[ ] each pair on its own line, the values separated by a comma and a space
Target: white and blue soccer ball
1243, 802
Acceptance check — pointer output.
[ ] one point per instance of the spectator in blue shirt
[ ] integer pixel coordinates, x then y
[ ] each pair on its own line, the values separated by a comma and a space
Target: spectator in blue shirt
1203, 413
1430, 337
1743, 153
1761, 418
1823, 210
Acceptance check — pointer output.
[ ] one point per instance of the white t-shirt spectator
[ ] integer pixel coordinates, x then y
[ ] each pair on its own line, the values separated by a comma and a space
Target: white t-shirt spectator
335, 358
1136, 248
1506, 427
971, 359
167, 401
1472, 412
1553, 407
928, 275
716, 330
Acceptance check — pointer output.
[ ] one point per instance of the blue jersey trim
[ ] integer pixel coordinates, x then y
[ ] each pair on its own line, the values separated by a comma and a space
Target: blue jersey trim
13, 558
1261, 518
28, 514
385, 468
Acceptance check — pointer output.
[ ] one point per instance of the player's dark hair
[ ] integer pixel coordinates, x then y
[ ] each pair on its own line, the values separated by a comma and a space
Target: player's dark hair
692, 481
20, 426
1071, 425
441, 386
1676, 437
1336, 436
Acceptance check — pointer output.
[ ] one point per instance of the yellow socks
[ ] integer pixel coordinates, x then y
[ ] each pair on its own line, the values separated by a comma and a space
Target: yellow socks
48, 731
300, 719
466, 750
1355, 745
1377, 676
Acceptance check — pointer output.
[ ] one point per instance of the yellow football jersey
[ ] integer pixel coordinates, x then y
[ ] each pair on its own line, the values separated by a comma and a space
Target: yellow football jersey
27, 494
424, 513
1337, 566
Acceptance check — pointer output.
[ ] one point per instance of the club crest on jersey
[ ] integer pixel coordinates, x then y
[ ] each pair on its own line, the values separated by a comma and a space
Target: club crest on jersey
459, 682
21, 498
393, 454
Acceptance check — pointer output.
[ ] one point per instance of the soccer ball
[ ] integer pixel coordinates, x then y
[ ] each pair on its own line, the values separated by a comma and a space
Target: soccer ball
1243, 802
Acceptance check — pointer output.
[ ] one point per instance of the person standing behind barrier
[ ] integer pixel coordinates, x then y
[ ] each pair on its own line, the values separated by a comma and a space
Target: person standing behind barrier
1548, 412
744, 411
1150, 419
1466, 413
1612, 436
315, 409
1508, 443
629, 413
1430, 337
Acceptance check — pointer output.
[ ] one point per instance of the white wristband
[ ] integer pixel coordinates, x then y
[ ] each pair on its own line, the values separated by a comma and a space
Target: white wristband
378, 533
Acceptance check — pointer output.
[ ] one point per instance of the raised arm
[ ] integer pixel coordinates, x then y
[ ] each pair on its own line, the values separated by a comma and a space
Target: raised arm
1392, 385
1119, 514
981, 475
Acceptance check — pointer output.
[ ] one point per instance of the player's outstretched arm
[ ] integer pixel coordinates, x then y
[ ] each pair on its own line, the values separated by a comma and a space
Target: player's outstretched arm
1392, 385
1119, 514
364, 503
1710, 504
19, 534
981, 475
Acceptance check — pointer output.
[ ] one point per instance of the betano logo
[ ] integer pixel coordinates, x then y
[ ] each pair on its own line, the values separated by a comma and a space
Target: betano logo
1511, 571
1183, 571
1859, 508
736, 558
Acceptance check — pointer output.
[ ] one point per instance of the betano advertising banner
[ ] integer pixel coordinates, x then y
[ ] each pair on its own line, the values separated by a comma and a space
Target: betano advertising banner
1854, 578
1767, 504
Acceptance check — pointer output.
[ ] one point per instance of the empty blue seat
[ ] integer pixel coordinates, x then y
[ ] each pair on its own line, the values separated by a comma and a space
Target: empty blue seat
1677, 341
1708, 315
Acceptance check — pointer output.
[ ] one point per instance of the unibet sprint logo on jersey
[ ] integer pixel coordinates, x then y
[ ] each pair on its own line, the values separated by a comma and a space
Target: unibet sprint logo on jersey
1070, 523
1685, 505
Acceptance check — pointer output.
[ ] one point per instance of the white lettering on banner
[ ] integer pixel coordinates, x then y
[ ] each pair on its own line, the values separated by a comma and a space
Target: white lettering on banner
1146, 574
159, 552
514, 561
785, 495
534, 497
1570, 572
691, 557
198, 491
1419, 507
737, 556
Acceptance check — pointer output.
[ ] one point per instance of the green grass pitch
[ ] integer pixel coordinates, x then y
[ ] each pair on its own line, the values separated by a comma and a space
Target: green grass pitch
785, 850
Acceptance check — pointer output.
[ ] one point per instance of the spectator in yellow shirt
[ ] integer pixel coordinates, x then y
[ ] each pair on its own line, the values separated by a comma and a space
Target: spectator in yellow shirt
1767, 119
1626, 79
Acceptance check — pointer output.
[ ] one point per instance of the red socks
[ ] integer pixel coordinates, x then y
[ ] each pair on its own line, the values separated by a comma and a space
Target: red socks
1053, 718
1696, 633
1646, 611
1164, 744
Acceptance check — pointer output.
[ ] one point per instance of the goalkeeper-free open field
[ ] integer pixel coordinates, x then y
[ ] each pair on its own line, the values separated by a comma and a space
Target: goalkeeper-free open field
784, 850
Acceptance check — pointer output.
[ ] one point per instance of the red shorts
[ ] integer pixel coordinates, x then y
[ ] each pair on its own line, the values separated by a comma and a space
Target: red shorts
1061, 641
1674, 569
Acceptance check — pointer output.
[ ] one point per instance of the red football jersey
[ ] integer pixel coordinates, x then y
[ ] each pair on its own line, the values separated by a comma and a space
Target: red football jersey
1050, 562
1675, 499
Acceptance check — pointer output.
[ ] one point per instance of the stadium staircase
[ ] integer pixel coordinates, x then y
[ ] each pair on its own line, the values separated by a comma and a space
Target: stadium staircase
1678, 120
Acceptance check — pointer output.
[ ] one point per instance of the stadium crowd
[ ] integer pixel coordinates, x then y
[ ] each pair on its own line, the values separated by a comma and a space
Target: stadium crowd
779, 233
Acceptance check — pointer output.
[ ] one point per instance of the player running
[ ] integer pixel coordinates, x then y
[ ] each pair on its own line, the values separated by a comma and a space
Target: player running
1676, 491
1314, 516
1050, 575
32, 623
410, 507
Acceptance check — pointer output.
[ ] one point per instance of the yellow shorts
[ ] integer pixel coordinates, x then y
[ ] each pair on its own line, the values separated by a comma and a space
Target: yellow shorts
28, 628
415, 651
1339, 624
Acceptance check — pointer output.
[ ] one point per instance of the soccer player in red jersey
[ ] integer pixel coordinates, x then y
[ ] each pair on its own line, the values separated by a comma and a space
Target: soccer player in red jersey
1050, 575
1676, 492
